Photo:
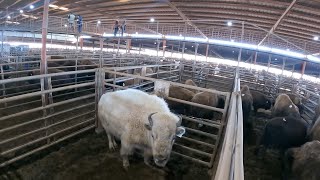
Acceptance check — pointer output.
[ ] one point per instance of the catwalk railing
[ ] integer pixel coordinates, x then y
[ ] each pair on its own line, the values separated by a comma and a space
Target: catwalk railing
252, 33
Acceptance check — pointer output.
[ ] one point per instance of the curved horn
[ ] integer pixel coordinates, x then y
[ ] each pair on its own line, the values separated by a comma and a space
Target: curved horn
150, 119
180, 120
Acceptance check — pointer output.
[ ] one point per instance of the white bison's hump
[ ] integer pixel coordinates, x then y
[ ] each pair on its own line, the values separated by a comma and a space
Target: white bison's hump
137, 98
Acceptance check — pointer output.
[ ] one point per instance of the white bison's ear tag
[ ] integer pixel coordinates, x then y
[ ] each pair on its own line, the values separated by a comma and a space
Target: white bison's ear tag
290, 106
180, 132
242, 94
284, 119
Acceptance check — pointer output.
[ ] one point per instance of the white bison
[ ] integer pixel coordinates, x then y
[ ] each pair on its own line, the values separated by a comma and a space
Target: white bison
140, 121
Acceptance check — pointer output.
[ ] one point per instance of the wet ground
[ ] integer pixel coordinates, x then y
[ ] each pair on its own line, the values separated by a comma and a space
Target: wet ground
89, 158
267, 167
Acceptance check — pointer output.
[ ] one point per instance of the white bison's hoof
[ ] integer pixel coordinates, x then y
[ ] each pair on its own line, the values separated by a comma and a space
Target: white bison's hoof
112, 147
115, 145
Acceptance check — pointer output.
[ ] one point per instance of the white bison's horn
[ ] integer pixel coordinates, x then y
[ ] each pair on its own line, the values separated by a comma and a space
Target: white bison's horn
180, 120
150, 119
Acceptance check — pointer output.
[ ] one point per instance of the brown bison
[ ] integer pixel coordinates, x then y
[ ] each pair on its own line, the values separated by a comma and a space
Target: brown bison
205, 98
246, 105
284, 107
298, 101
260, 101
191, 83
284, 132
303, 163
180, 93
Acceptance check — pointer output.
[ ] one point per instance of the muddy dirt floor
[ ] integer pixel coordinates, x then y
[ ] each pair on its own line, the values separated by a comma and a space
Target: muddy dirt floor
88, 157
259, 167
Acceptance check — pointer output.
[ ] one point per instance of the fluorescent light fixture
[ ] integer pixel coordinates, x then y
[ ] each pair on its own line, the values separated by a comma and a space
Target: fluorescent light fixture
12, 22
151, 19
229, 23
53, 6
232, 40
63, 8
288, 49
85, 37
31, 6
180, 35
8, 17
137, 33
21, 11
316, 38
174, 37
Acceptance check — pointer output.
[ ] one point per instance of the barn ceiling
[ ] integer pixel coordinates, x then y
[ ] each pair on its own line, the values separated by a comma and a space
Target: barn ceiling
298, 19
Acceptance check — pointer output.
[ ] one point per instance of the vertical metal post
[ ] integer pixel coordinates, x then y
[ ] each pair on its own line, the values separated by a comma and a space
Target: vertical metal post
207, 51
183, 47
255, 57
283, 65
101, 53
81, 44
269, 62
51, 40
128, 46
139, 48
43, 64
196, 51
164, 45
239, 57
158, 47
172, 51
118, 45
77, 43
304, 64
2, 39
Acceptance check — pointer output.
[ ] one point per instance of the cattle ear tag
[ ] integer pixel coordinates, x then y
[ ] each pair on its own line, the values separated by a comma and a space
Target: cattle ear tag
284, 119
290, 106
242, 94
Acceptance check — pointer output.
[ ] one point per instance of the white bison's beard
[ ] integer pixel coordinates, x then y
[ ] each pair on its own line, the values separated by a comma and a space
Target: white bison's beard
161, 154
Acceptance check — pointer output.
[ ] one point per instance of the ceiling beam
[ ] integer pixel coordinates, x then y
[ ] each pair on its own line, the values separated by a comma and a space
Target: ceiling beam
278, 22
186, 19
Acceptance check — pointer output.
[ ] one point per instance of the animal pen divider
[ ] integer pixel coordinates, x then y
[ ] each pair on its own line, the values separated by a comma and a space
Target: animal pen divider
33, 121
199, 144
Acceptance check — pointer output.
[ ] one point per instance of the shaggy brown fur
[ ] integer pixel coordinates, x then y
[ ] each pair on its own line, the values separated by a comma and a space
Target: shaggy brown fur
284, 107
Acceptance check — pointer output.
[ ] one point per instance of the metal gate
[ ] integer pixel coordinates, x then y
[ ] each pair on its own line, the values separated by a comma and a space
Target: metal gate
202, 138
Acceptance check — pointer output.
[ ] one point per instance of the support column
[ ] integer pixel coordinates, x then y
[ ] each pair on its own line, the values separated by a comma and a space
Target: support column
239, 57
269, 62
255, 58
77, 43
196, 51
2, 39
118, 46
101, 53
283, 65
207, 51
43, 65
81, 43
164, 45
172, 51
158, 47
128, 46
139, 48
183, 47
304, 64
